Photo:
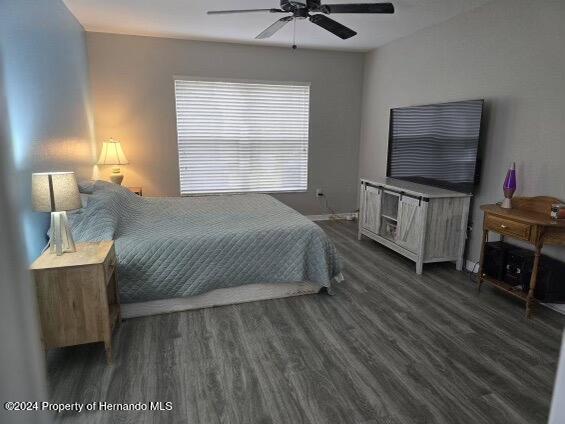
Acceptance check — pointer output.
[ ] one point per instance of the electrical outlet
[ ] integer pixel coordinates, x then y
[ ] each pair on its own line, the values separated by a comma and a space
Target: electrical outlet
319, 192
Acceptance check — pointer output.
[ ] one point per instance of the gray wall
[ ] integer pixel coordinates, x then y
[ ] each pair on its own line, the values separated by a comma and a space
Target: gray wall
133, 100
21, 359
43, 52
510, 52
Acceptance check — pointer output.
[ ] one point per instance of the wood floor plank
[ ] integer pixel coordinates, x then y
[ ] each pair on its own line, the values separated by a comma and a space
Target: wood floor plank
390, 347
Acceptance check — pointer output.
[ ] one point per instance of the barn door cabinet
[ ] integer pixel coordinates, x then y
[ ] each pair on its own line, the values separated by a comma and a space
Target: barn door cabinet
423, 223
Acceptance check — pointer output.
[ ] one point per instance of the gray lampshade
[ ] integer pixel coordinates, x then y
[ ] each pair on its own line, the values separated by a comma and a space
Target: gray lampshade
55, 192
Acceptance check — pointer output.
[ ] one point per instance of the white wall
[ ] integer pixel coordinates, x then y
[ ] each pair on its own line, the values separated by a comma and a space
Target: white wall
557, 412
510, 52
133, 98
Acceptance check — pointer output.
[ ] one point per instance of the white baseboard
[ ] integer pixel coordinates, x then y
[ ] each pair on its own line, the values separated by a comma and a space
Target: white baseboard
327, 217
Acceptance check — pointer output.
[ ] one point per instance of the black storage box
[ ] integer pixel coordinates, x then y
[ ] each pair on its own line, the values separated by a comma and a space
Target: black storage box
518, 269
514, 265
495, 259
550, 286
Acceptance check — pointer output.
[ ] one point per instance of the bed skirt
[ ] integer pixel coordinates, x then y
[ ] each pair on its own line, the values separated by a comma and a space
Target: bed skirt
220, 297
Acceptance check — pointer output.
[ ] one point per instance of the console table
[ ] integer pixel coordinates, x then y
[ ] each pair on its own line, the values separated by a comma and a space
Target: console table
423, 223
529, 220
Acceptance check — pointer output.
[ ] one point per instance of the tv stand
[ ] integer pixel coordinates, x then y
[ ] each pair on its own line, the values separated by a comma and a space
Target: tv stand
423, 223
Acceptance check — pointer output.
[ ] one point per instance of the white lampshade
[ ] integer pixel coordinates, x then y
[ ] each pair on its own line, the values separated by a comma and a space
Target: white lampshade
55, 192
112, 154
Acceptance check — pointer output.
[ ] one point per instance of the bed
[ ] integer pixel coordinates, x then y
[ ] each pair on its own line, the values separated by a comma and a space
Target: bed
191, 252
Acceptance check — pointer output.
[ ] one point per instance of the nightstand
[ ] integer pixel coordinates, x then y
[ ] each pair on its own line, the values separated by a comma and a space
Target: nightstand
136, 190
77, 296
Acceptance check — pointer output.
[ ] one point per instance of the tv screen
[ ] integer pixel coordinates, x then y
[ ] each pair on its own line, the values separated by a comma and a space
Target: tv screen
436, 145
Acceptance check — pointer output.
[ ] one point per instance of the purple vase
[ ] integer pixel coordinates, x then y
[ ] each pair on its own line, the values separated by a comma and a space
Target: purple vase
509, 187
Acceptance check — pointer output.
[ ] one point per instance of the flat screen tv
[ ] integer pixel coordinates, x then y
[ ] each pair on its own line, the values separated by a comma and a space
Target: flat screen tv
436, 145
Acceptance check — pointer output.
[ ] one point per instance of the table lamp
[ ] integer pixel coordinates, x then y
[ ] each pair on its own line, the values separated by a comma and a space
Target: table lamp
56, 192
112, 154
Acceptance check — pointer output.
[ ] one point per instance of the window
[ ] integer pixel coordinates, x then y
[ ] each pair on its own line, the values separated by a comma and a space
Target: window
242, 136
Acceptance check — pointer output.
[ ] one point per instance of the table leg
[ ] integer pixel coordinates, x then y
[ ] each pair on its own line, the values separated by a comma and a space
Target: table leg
117, 297
482, 257
108, 347
533, 282
107, 338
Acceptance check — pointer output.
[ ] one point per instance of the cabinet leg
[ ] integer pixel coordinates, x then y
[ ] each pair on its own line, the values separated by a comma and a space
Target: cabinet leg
533, 281
419, 267
459, 264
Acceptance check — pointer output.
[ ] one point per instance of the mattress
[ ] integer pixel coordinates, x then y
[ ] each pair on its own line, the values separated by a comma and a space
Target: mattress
175, 247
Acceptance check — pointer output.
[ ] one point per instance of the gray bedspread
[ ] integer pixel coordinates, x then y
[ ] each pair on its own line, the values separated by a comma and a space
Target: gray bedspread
174, 247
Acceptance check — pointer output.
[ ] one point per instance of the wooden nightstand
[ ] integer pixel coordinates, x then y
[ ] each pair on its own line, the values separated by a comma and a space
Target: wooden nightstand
77, 295
136, 190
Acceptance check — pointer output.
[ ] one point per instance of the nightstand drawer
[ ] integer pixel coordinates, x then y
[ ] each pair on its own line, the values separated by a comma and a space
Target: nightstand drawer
508, 227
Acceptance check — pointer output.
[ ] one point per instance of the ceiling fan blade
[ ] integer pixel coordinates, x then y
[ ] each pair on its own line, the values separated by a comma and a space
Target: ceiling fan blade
227, 12
275, 27
358, 8
332, 26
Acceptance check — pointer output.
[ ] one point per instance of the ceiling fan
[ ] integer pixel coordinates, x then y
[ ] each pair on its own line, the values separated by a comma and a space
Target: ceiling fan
302, 10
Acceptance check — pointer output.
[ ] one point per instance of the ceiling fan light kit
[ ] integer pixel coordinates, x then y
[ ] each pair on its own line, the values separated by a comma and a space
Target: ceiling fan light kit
303, 9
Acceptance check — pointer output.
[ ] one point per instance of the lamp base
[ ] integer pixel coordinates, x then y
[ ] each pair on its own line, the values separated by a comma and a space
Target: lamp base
117, 178
61, 236
506, 203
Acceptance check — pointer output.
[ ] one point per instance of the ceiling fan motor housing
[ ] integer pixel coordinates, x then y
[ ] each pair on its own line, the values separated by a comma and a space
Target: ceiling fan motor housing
293, 3
301, 13
301, 9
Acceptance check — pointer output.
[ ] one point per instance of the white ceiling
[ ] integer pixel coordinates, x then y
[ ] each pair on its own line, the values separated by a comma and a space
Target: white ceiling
188, 19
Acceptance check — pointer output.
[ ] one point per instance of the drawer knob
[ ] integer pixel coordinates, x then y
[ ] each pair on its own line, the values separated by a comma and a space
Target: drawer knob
502, 226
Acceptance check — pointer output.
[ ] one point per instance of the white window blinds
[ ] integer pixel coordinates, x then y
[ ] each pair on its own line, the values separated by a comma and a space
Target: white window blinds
242, 137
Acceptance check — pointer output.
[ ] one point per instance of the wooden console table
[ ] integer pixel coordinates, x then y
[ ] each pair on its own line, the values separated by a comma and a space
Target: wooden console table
529, 220
423, 223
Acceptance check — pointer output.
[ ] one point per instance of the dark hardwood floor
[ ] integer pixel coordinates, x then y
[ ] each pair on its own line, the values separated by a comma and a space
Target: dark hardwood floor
390, 347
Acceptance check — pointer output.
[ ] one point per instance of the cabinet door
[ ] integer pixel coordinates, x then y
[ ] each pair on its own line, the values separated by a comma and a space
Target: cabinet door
371, 213
409, 224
